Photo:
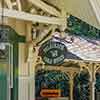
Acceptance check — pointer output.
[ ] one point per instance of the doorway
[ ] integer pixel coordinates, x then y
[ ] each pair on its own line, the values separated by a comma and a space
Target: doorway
6, 71
82, 86
51, 81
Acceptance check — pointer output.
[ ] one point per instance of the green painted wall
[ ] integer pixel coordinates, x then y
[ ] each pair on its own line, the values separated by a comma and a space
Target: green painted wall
14, 39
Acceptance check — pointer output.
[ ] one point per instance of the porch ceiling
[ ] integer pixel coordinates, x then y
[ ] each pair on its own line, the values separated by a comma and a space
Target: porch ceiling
87, 10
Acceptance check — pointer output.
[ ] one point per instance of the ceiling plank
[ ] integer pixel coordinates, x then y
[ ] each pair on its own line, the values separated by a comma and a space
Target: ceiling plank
45, 7
86, 10
29, 17
9, 4
96, 7
19, 5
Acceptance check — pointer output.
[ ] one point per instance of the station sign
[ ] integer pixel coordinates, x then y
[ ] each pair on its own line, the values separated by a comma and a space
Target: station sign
50, 93
53, 52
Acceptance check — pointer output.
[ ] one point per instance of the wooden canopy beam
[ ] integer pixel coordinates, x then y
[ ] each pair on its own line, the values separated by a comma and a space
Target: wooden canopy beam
33, 18
45, 7
19, 5
0, 4
14, 4
9, 4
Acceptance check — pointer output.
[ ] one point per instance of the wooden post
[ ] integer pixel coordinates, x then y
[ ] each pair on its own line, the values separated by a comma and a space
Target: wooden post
92, 69
71, 88
71, 75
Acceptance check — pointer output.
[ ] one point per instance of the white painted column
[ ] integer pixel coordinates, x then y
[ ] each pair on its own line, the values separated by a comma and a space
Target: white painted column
31, 82
32, 58
23, 74
71, 88
92, 83
93, 90
23, 88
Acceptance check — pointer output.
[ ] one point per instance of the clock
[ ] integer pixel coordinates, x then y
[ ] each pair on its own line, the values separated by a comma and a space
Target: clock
3, 52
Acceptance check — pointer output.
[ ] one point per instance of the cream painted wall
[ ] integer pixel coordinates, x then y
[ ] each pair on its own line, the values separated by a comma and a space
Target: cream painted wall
83, 10
96, 8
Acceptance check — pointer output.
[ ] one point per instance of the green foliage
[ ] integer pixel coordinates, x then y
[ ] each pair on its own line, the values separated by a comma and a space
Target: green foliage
79, 27
52, 80
81, 87
97, 82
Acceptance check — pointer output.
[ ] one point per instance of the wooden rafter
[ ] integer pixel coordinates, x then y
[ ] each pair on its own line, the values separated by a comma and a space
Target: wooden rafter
14, 4
19, 5
45, 36
0, 16
9, 3
0, 4
45, 7
29, 17
33, 10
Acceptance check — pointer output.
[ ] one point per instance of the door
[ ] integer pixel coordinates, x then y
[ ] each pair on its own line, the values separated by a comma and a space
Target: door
51, 85
6, 71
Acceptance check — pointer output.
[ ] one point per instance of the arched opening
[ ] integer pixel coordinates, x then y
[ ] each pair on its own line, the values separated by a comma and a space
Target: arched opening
81, 85
9, 40
97, 85
4, 73
47, 79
